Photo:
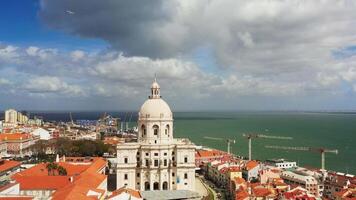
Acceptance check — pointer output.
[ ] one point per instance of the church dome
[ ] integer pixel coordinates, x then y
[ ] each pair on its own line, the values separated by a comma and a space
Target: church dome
155, 107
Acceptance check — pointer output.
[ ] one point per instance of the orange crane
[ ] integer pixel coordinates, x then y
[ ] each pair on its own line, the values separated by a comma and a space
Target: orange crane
320, 150
251, 136
228, 141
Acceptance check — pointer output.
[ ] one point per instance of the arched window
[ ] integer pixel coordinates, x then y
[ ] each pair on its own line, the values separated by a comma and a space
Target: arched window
155, 129
143, 130
165, 185
147, 186
167, 129
155, 186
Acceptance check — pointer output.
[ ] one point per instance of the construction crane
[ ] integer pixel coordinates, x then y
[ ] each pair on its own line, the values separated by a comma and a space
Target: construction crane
321, 150
71, 118
228, 141
251, 136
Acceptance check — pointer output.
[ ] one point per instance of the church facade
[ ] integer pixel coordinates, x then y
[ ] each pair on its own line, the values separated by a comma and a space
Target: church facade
157, 161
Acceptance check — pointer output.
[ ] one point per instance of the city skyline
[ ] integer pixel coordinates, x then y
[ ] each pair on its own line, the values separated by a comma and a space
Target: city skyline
226, 55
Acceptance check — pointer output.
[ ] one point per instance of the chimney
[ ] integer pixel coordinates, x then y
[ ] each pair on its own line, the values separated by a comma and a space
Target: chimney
57, 158
71, 179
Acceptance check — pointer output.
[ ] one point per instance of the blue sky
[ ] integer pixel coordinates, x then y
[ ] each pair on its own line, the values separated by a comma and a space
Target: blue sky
216, 55
23, 27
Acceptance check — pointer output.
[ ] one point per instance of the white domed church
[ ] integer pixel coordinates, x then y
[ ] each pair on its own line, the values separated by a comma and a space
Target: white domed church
157, 161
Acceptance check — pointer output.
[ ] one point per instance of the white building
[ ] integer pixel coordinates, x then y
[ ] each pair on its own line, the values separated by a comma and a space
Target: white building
11, 116
281, 163
156, 161
42, 133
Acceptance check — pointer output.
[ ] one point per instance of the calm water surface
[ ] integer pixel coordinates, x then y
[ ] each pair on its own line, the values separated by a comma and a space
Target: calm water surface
329, 130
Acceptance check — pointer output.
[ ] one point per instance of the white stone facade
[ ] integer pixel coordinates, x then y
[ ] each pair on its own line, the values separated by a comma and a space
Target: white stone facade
156, 161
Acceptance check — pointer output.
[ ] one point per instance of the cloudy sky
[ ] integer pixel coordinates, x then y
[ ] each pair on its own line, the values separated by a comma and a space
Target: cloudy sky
207, 54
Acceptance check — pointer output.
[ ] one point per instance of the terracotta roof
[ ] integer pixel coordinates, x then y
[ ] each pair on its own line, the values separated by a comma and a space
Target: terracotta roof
87, 181
76, 192
6, 165
251, 164
132, 192
298, 192
261, 192
15, 136
81, 178
41, 170
241, 195
239, 180
16, 198
210, 153
42, 182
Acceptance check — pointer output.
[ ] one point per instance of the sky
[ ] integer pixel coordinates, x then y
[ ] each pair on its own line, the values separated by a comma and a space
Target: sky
208, 55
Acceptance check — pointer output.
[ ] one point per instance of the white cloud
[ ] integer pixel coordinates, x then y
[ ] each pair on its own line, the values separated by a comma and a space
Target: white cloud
77, 55
32, 51
126, 79
48, 84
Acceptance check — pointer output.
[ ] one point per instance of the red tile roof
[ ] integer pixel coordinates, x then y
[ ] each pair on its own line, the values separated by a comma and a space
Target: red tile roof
251, 164
261, 192
132, 192
82, 177
241, 195
16, 198
6, 165
15, 136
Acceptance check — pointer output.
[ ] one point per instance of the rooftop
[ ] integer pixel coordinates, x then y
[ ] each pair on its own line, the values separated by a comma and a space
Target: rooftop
6, 165
169, 195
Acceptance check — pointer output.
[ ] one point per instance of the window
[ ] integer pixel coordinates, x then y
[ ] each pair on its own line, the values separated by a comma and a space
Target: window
172, 153
138, 175
147, 163
125, 160
156, 163
126, 177
173, 174
156, 154
167, 129
185, 176
147, 154
155, 129
185, 159
143, 129
173, 158
165, 153
165, 162
138, 153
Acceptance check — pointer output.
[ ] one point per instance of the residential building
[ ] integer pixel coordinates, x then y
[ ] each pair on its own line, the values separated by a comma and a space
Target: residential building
298, 193
306, 181
43, 134
125, 194
84, 179
7, 169
281, 163
11, 116
18, 144
251, 170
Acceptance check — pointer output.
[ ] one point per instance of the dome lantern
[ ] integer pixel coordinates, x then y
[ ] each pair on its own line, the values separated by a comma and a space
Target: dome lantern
155, 90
